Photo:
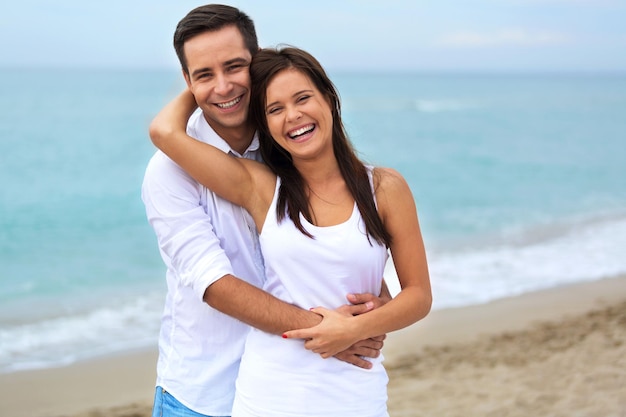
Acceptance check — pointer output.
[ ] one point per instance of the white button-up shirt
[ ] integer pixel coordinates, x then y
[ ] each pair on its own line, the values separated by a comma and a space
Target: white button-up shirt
201, 238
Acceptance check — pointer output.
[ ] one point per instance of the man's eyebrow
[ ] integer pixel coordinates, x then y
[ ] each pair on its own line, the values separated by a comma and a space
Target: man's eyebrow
200, 71
237, 60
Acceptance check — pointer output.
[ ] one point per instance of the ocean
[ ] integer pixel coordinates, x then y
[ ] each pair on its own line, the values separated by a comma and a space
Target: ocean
519, 180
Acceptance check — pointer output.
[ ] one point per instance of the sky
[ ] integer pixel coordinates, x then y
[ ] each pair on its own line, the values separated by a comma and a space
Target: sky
391, 35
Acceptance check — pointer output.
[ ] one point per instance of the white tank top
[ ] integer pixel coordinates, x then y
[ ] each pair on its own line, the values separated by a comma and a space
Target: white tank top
278, 377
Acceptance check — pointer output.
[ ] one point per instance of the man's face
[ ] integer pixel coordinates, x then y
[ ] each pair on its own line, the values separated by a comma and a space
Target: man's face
219, 77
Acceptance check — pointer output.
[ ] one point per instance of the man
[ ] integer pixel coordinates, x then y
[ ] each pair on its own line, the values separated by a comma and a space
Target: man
210, 247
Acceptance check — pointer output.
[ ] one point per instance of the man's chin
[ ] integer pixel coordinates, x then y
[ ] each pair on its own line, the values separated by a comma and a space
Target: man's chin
232, 121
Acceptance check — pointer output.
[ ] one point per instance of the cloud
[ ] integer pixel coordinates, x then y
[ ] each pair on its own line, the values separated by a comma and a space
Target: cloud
506, 37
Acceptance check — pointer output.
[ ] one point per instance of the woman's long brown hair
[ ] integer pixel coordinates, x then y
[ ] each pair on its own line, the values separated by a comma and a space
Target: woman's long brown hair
292, 199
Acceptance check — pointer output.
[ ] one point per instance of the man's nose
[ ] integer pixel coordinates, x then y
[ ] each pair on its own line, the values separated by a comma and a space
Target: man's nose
222, 84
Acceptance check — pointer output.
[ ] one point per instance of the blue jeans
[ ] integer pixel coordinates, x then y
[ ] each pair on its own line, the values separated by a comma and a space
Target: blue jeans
165, 405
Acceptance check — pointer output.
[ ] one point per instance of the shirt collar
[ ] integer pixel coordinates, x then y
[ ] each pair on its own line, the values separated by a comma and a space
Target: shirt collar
200, 129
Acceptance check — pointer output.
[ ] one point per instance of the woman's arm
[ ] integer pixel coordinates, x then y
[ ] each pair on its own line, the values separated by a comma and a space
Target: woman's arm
234, 179
397, 209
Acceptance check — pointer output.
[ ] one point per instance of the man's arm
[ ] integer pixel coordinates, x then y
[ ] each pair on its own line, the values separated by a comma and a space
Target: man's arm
259, 309
255, 307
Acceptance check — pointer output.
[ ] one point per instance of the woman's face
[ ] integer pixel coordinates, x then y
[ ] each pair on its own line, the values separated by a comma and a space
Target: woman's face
298, 115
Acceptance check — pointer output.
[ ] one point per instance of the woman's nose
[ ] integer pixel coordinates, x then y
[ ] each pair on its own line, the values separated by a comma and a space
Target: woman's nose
293, 113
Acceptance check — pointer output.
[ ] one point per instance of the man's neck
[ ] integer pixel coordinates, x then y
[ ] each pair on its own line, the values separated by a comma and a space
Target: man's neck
238, 138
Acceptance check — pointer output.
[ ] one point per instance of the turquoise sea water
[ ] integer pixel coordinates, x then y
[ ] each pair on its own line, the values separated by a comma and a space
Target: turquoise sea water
520, 182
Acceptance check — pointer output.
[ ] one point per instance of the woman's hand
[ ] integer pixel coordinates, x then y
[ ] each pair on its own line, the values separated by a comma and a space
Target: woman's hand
336, 333
329, 336
172, 118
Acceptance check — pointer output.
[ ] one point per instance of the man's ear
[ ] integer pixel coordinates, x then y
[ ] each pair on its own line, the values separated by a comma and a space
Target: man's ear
187, 79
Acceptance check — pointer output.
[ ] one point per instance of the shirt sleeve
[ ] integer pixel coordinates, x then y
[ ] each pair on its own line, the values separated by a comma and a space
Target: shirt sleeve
184, 231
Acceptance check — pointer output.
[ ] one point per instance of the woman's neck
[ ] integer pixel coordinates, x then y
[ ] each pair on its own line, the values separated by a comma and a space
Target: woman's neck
318, 172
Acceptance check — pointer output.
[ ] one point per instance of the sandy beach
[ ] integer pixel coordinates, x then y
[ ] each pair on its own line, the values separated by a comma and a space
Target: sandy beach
558, 352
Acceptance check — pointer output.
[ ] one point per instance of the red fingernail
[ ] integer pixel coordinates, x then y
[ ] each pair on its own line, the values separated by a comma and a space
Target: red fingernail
284, 336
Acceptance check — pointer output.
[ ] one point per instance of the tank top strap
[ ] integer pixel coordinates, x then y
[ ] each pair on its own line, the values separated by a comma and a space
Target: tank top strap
370, 175
271, 211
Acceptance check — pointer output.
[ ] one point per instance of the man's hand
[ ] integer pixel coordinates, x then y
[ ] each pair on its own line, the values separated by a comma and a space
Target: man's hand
358, 353
369, 299
362, 303
356, 308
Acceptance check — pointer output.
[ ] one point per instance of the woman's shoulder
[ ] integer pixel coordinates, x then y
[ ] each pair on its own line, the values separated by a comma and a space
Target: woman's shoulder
393, 194
388, 179
391, 190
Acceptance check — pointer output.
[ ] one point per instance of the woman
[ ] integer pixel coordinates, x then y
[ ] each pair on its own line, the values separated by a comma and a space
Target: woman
326, 223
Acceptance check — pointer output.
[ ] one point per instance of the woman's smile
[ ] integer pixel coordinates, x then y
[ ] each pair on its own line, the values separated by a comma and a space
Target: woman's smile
301, 133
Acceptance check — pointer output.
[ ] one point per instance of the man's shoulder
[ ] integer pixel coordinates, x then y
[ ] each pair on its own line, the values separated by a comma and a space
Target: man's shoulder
199, 128
196, 125
161, 169
165, 181
160, 161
